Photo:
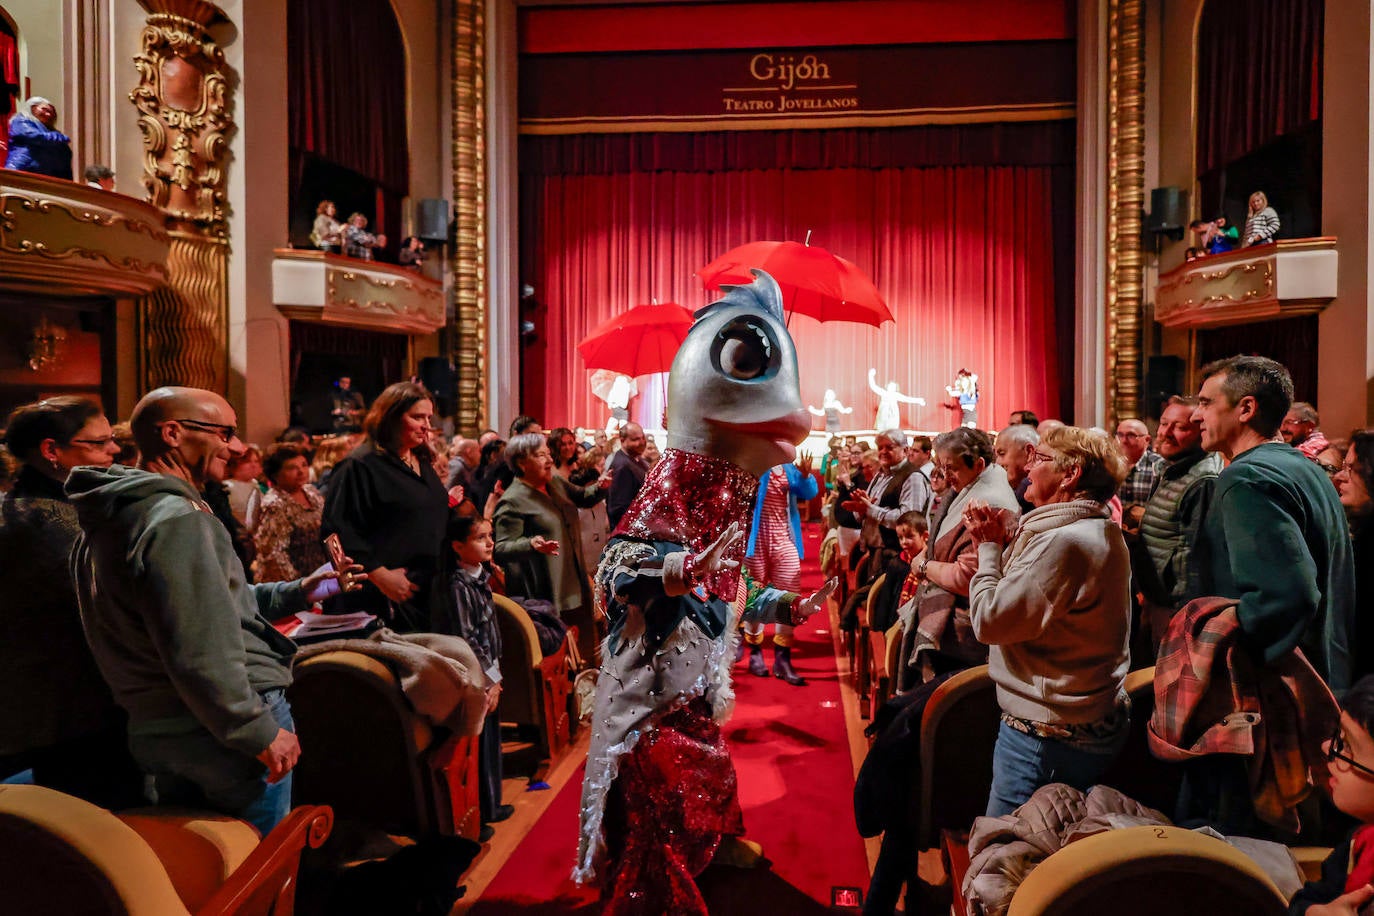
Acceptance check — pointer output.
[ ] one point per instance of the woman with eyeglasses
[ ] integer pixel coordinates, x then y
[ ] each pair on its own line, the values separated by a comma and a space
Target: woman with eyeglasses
1354, 482
537, 532
389, 508
1052, 600
61, 721
1346, 875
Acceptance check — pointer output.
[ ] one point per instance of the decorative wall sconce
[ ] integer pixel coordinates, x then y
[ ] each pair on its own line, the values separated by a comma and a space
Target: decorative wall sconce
45, 345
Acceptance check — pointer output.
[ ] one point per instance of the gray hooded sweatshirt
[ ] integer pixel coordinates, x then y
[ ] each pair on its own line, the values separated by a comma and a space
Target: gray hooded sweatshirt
175, 628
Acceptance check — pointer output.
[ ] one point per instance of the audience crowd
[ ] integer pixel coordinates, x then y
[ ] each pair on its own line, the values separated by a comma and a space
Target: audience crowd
158, 561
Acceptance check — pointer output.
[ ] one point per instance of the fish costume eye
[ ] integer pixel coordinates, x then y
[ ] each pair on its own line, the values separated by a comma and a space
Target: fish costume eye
745, 350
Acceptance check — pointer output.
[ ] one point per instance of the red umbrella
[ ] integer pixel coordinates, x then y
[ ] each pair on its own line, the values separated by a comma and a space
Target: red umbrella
643, 340
813, 281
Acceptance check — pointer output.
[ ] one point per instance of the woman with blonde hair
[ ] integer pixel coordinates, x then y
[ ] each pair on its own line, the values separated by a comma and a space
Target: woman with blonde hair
1261, 221
1052, 600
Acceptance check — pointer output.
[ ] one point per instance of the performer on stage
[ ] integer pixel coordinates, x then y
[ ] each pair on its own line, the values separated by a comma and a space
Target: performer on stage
964, 398
889, 413
660, 790
830, 408
774, 556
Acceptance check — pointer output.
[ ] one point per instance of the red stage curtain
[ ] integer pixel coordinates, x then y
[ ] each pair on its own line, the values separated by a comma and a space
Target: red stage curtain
346, 84
965, 256
1259, 75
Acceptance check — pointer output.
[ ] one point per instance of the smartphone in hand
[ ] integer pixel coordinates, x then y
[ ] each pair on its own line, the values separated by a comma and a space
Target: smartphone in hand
334, 547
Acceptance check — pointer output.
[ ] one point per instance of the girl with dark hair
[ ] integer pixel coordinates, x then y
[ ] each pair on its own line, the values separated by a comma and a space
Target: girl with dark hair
563, 446
389, 508
1355, 482
66, 727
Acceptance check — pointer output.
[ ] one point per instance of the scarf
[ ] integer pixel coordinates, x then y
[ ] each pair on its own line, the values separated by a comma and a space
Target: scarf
1047, 518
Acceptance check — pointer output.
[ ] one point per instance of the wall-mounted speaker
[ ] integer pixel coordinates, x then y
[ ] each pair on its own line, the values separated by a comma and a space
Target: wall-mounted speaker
431, 220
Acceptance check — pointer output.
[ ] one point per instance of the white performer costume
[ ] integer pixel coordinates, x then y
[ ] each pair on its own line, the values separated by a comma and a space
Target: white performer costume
830, 408
889, 413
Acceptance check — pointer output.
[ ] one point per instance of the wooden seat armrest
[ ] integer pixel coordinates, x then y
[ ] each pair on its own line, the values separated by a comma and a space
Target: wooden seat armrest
1310, 859
266, 881
954, 852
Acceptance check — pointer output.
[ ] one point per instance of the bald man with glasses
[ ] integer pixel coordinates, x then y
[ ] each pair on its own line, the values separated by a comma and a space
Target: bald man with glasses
182, 639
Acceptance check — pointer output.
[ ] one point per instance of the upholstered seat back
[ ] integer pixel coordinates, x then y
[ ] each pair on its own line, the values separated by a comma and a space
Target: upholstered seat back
59, 854
958, 733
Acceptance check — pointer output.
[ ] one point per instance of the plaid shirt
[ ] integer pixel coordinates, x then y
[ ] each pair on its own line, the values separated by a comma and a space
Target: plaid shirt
1140, 481
1211, 698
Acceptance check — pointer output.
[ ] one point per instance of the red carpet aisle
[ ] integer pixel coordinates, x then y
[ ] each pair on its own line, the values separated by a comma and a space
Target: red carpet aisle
796, 786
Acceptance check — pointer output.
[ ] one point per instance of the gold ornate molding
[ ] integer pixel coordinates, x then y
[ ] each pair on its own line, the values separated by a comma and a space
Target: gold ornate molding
183, 102
1292, 277
467, 335
182, 328
1125, 202
314, 286
61, 237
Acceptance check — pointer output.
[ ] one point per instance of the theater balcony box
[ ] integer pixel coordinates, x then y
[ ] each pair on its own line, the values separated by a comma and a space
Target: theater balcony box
62, 238
1286, 279
68, 254
314, 286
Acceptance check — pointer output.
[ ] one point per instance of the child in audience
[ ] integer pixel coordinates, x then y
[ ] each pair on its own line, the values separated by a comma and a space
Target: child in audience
1347, 874
902, 579
470, 613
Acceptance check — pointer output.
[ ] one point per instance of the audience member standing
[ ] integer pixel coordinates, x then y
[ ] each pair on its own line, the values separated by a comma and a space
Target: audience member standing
899, 488
1134, 438
628, 468
937, 637
59, 719
326, 233
1299, 429
1014, 447
36, 145
179, 635
389, 508
1355, 481
1276, 540
357, 241
1169, 569
1051, 597
462, 464
286, 533
537, 534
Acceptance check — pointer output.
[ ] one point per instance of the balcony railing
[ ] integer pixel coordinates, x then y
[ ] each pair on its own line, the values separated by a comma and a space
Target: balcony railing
61, 238
315, 286
1290, 277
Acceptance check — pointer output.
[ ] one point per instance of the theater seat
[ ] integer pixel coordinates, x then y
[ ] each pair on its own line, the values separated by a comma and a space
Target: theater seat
1146, 871
1136, 772
367, 754
534, 686
59, 854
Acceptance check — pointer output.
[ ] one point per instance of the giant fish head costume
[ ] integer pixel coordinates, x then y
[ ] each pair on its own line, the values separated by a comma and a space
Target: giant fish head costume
733, 392
734, 411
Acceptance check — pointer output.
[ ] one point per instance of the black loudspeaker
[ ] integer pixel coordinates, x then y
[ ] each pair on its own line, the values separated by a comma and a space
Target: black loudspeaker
438, 375
1167, 211
1163, 380
432, 220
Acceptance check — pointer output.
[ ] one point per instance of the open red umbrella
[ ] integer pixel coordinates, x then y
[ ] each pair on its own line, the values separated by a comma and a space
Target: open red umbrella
637, 342
813, 281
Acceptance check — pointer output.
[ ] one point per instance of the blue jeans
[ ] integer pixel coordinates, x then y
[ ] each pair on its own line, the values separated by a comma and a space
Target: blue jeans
1022, 763
191, 768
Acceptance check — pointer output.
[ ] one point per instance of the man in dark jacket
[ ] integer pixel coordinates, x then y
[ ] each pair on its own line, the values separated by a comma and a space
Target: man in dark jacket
628, 468
182, 639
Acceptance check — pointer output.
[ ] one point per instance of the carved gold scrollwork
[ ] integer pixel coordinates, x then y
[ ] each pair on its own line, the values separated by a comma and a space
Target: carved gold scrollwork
182, 99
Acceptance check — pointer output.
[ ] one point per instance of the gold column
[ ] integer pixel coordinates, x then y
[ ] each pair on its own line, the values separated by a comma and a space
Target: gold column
183, 103
467, 334
1125, 202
